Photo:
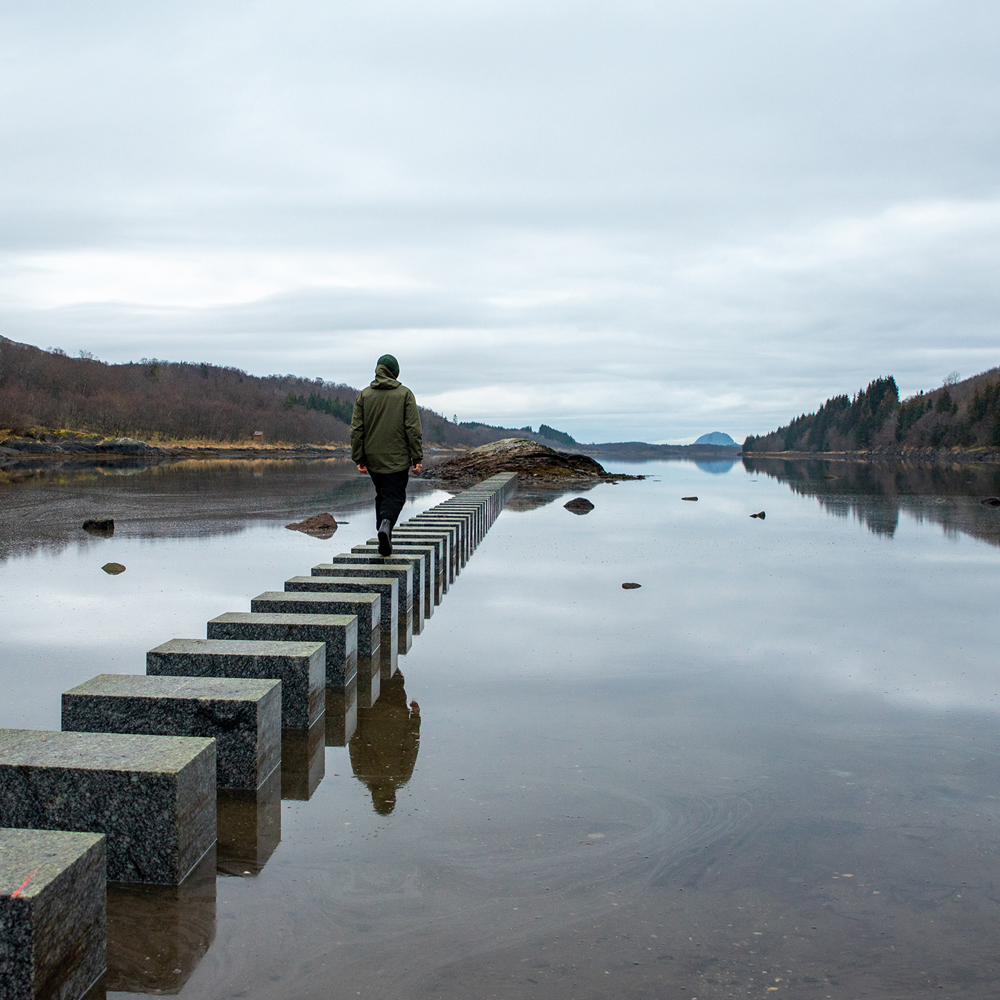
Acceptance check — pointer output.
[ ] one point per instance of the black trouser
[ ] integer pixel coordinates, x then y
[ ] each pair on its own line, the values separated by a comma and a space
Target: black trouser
390, 494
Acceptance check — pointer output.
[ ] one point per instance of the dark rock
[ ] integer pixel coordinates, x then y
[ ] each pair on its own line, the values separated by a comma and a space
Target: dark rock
104, 528
530, 460
991, 502
580, 505
631, 586
113, 569
319, 525
689, 498
761, 515
32, 447
122, 446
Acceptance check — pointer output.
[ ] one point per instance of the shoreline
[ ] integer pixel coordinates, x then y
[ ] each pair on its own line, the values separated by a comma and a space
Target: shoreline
930, 456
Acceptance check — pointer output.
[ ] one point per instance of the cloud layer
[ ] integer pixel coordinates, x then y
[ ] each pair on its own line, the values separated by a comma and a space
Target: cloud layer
637, 220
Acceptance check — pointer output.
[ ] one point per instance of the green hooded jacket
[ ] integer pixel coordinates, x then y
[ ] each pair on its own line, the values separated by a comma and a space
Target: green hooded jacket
385, 428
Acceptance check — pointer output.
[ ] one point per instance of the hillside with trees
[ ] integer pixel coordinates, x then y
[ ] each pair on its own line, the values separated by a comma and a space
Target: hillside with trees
154, 400
962, 414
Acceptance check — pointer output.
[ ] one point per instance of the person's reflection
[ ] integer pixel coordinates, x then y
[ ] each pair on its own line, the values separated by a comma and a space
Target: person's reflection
384, 749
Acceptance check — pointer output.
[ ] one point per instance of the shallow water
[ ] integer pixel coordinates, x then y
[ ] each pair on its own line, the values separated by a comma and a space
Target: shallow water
772, 769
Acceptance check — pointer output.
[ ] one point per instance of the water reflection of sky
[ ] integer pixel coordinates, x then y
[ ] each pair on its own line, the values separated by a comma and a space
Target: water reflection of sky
775, 756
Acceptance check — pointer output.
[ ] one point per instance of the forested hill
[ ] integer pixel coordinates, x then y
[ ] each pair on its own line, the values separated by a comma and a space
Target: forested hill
164, 400
958, 414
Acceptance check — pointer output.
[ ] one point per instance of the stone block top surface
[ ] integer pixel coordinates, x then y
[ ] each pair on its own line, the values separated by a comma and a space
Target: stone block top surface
317, 597
120, 752
193, 688
31, 859
240, 647
282, 618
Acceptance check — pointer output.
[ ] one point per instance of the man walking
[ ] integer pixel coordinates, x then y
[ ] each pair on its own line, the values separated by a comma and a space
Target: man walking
385, 441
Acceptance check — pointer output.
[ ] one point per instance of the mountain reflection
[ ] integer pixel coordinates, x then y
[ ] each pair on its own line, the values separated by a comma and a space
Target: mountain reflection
875, 492
384, 748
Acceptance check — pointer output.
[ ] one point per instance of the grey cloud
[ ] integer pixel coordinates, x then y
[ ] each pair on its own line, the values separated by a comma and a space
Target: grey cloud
642, 220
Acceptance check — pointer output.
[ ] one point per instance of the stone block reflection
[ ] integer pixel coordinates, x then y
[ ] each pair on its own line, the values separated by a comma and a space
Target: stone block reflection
369, 679
303, 760
384, 749
341, 713
157, 934
249, 824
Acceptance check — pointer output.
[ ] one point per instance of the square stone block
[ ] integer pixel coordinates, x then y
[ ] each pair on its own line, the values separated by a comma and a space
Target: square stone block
348, 564
152, 796
300, 666
366, 582
431, 519
440, 541
366, 607
242, 716
445, 536
53, 921
423, 559
395, 623
339, 632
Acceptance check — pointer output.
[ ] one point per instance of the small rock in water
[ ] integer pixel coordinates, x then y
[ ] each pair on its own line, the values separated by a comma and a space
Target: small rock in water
759, 514
580, 505
991, 501
689, 498
105, 528
113, 569
319, 525
631, 586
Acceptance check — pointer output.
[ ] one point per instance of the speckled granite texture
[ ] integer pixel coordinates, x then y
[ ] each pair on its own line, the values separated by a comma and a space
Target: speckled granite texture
461, 524
153, 796
367, 608
363, 583
454, 529
349, 565
424, 560
419, 562
447, 538
341, 714
300, 666
303, 761
243, 716
404, 540
52, 913
249, 826
397, 637
339, 632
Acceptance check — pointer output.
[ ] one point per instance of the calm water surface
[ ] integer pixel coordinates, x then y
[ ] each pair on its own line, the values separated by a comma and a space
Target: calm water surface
771, 770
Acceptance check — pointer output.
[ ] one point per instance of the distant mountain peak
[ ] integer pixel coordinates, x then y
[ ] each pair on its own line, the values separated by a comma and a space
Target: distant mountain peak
716, 437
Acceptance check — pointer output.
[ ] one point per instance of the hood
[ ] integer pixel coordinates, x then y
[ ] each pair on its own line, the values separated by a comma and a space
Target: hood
383, 379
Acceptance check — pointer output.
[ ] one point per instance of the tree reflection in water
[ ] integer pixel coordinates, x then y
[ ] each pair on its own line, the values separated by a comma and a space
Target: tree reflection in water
384, 748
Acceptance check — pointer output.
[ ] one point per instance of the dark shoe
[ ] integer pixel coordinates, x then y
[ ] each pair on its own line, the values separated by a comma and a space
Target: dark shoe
385, 538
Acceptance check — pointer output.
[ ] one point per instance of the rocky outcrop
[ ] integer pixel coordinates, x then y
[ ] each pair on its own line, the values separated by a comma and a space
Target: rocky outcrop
531, 461
319, 525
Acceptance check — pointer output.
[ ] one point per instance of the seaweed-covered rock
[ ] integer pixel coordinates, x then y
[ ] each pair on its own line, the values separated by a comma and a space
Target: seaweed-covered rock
579, 505
530, 460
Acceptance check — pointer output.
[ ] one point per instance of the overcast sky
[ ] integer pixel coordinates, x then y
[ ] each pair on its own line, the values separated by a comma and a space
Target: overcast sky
630, 220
